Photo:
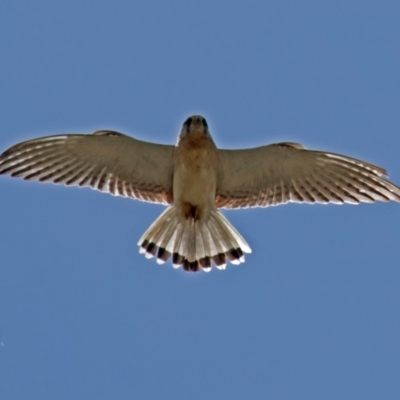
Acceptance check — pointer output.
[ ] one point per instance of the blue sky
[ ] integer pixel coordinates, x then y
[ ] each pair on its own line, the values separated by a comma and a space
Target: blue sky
314, 311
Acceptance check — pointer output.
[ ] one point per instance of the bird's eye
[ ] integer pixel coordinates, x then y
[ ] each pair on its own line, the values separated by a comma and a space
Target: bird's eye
188, 122
205, 123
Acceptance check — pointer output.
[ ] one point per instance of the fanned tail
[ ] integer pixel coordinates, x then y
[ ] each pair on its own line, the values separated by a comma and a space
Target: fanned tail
193, 244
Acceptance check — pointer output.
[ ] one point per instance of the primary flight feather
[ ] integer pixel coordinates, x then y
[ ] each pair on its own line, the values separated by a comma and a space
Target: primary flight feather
194, 179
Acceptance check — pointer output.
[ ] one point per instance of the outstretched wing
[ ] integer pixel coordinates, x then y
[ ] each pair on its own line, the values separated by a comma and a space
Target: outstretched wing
105, 160
287, 172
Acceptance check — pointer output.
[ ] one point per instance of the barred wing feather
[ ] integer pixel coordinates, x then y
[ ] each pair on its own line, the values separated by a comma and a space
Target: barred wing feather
287, 172
105, 160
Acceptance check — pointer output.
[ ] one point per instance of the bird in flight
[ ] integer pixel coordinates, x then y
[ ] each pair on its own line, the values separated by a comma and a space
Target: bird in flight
194, 179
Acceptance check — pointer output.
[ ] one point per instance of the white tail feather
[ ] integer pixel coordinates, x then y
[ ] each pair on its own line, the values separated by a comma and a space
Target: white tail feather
194, 244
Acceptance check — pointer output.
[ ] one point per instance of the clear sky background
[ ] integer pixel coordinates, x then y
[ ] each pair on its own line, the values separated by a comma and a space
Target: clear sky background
314, 311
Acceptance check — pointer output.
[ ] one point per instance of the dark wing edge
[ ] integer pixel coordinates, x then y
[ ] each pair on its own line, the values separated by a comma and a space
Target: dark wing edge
287, 172
108, 161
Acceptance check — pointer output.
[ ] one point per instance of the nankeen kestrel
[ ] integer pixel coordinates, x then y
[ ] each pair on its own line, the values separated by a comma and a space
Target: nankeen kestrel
194, 179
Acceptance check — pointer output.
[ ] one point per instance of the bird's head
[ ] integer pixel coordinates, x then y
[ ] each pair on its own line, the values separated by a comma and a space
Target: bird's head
195, 124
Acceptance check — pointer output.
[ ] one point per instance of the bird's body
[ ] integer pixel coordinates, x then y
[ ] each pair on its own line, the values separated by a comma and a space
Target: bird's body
195, 171
192, 229
194, 179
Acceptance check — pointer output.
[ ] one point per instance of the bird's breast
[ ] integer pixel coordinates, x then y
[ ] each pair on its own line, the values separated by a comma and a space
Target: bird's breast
195, 171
